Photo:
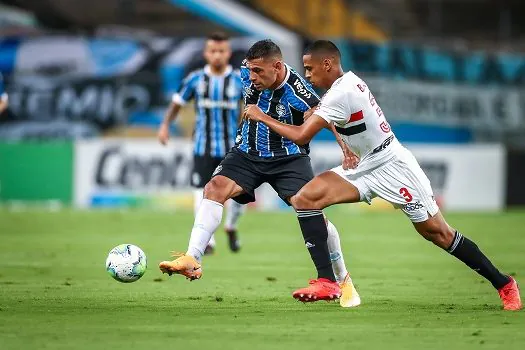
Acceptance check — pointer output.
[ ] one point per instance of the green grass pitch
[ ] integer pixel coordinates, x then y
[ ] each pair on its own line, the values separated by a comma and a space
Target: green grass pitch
56, 294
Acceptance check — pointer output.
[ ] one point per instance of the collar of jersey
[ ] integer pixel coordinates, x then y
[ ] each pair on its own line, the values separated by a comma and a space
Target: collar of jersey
286, 77
227, 71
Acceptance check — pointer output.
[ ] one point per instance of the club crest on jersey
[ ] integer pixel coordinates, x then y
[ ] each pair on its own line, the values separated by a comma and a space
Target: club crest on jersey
195, 179
301, 89
201, 87
231, 91
248, 91
280, 109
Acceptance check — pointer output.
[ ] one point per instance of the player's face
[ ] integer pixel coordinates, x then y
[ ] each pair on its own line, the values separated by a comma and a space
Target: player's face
263, 72
315, 70
217, 53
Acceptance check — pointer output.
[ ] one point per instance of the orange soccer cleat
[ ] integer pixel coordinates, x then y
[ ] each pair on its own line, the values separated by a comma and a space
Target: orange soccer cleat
510, 295
319, 289
185, 265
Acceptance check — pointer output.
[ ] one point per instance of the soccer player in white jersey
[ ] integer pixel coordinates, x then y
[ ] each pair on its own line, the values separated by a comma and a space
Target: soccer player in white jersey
386, 169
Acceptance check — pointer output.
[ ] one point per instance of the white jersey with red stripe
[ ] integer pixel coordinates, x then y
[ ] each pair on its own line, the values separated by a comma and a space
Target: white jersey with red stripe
351, 106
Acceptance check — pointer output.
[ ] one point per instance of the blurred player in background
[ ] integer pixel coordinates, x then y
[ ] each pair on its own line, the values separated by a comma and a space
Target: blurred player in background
217, 91
3, 95
386, 169
262, 156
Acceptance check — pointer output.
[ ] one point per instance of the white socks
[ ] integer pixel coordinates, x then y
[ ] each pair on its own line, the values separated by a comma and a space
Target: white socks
233, 214
336, 255
198, 195
207, 220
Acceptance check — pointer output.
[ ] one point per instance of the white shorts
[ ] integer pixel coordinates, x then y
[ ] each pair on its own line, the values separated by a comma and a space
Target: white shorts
400, 181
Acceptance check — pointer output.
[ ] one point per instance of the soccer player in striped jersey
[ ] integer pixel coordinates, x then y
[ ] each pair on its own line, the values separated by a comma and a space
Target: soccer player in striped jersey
216, 89
3, 95
262, 156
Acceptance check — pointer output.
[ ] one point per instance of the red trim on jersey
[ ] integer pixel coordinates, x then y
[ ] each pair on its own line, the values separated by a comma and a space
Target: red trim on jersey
355, 117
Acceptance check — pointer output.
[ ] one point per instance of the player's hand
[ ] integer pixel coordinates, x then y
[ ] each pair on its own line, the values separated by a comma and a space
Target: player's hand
253, 112
164, 134
350, 159
309, 113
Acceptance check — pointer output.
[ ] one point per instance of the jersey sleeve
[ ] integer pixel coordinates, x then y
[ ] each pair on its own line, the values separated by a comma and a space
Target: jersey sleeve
334, 107
301, 95
187, 90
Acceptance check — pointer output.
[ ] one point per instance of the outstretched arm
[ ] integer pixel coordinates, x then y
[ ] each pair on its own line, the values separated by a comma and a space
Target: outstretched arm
300, 135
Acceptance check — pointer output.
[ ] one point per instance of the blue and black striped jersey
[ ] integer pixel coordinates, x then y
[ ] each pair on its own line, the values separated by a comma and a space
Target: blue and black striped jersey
286, 104
217, 108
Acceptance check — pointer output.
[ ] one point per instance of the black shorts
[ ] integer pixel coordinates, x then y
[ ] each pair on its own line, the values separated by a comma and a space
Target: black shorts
287, 175
203, 168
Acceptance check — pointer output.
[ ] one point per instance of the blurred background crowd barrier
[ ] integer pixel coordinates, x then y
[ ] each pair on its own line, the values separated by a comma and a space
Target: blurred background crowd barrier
89, 81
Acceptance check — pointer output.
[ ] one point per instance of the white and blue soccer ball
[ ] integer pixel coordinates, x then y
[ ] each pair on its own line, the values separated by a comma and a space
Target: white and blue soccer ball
126, 263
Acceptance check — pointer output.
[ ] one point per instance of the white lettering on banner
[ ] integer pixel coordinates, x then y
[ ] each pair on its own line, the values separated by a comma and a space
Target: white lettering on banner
465, 177
477, 107
130, 168
103, 103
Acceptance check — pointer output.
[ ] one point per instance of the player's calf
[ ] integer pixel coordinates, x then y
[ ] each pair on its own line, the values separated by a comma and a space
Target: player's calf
440, 233
436, 230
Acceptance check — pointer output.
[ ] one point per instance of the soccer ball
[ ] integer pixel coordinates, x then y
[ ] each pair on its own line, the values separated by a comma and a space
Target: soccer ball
126, 263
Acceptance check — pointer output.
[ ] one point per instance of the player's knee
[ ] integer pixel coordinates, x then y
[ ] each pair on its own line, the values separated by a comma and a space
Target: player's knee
304, 200
216, 190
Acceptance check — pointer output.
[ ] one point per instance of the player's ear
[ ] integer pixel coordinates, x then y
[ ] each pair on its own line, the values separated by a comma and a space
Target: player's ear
327, 65
278, 65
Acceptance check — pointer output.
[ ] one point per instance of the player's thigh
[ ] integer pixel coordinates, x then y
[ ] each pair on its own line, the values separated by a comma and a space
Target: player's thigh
287, 175
403, 183
203, 168
324, 190
241, 171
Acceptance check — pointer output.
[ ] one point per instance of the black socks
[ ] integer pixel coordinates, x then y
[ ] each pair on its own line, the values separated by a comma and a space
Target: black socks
315, 236
468, 252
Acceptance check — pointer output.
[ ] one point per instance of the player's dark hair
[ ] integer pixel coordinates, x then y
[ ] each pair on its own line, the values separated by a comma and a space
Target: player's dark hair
263, 49
323, 48
218, 36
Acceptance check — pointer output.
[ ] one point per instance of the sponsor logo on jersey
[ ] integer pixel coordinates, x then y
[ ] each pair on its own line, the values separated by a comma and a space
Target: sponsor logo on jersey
409, 207
384, 145
385, 127
301, 89
209, 103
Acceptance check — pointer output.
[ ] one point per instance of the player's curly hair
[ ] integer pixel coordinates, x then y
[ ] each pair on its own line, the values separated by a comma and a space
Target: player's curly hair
263, 49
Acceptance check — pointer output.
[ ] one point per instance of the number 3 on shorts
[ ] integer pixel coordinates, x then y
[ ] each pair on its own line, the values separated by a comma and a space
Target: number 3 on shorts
404, 192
